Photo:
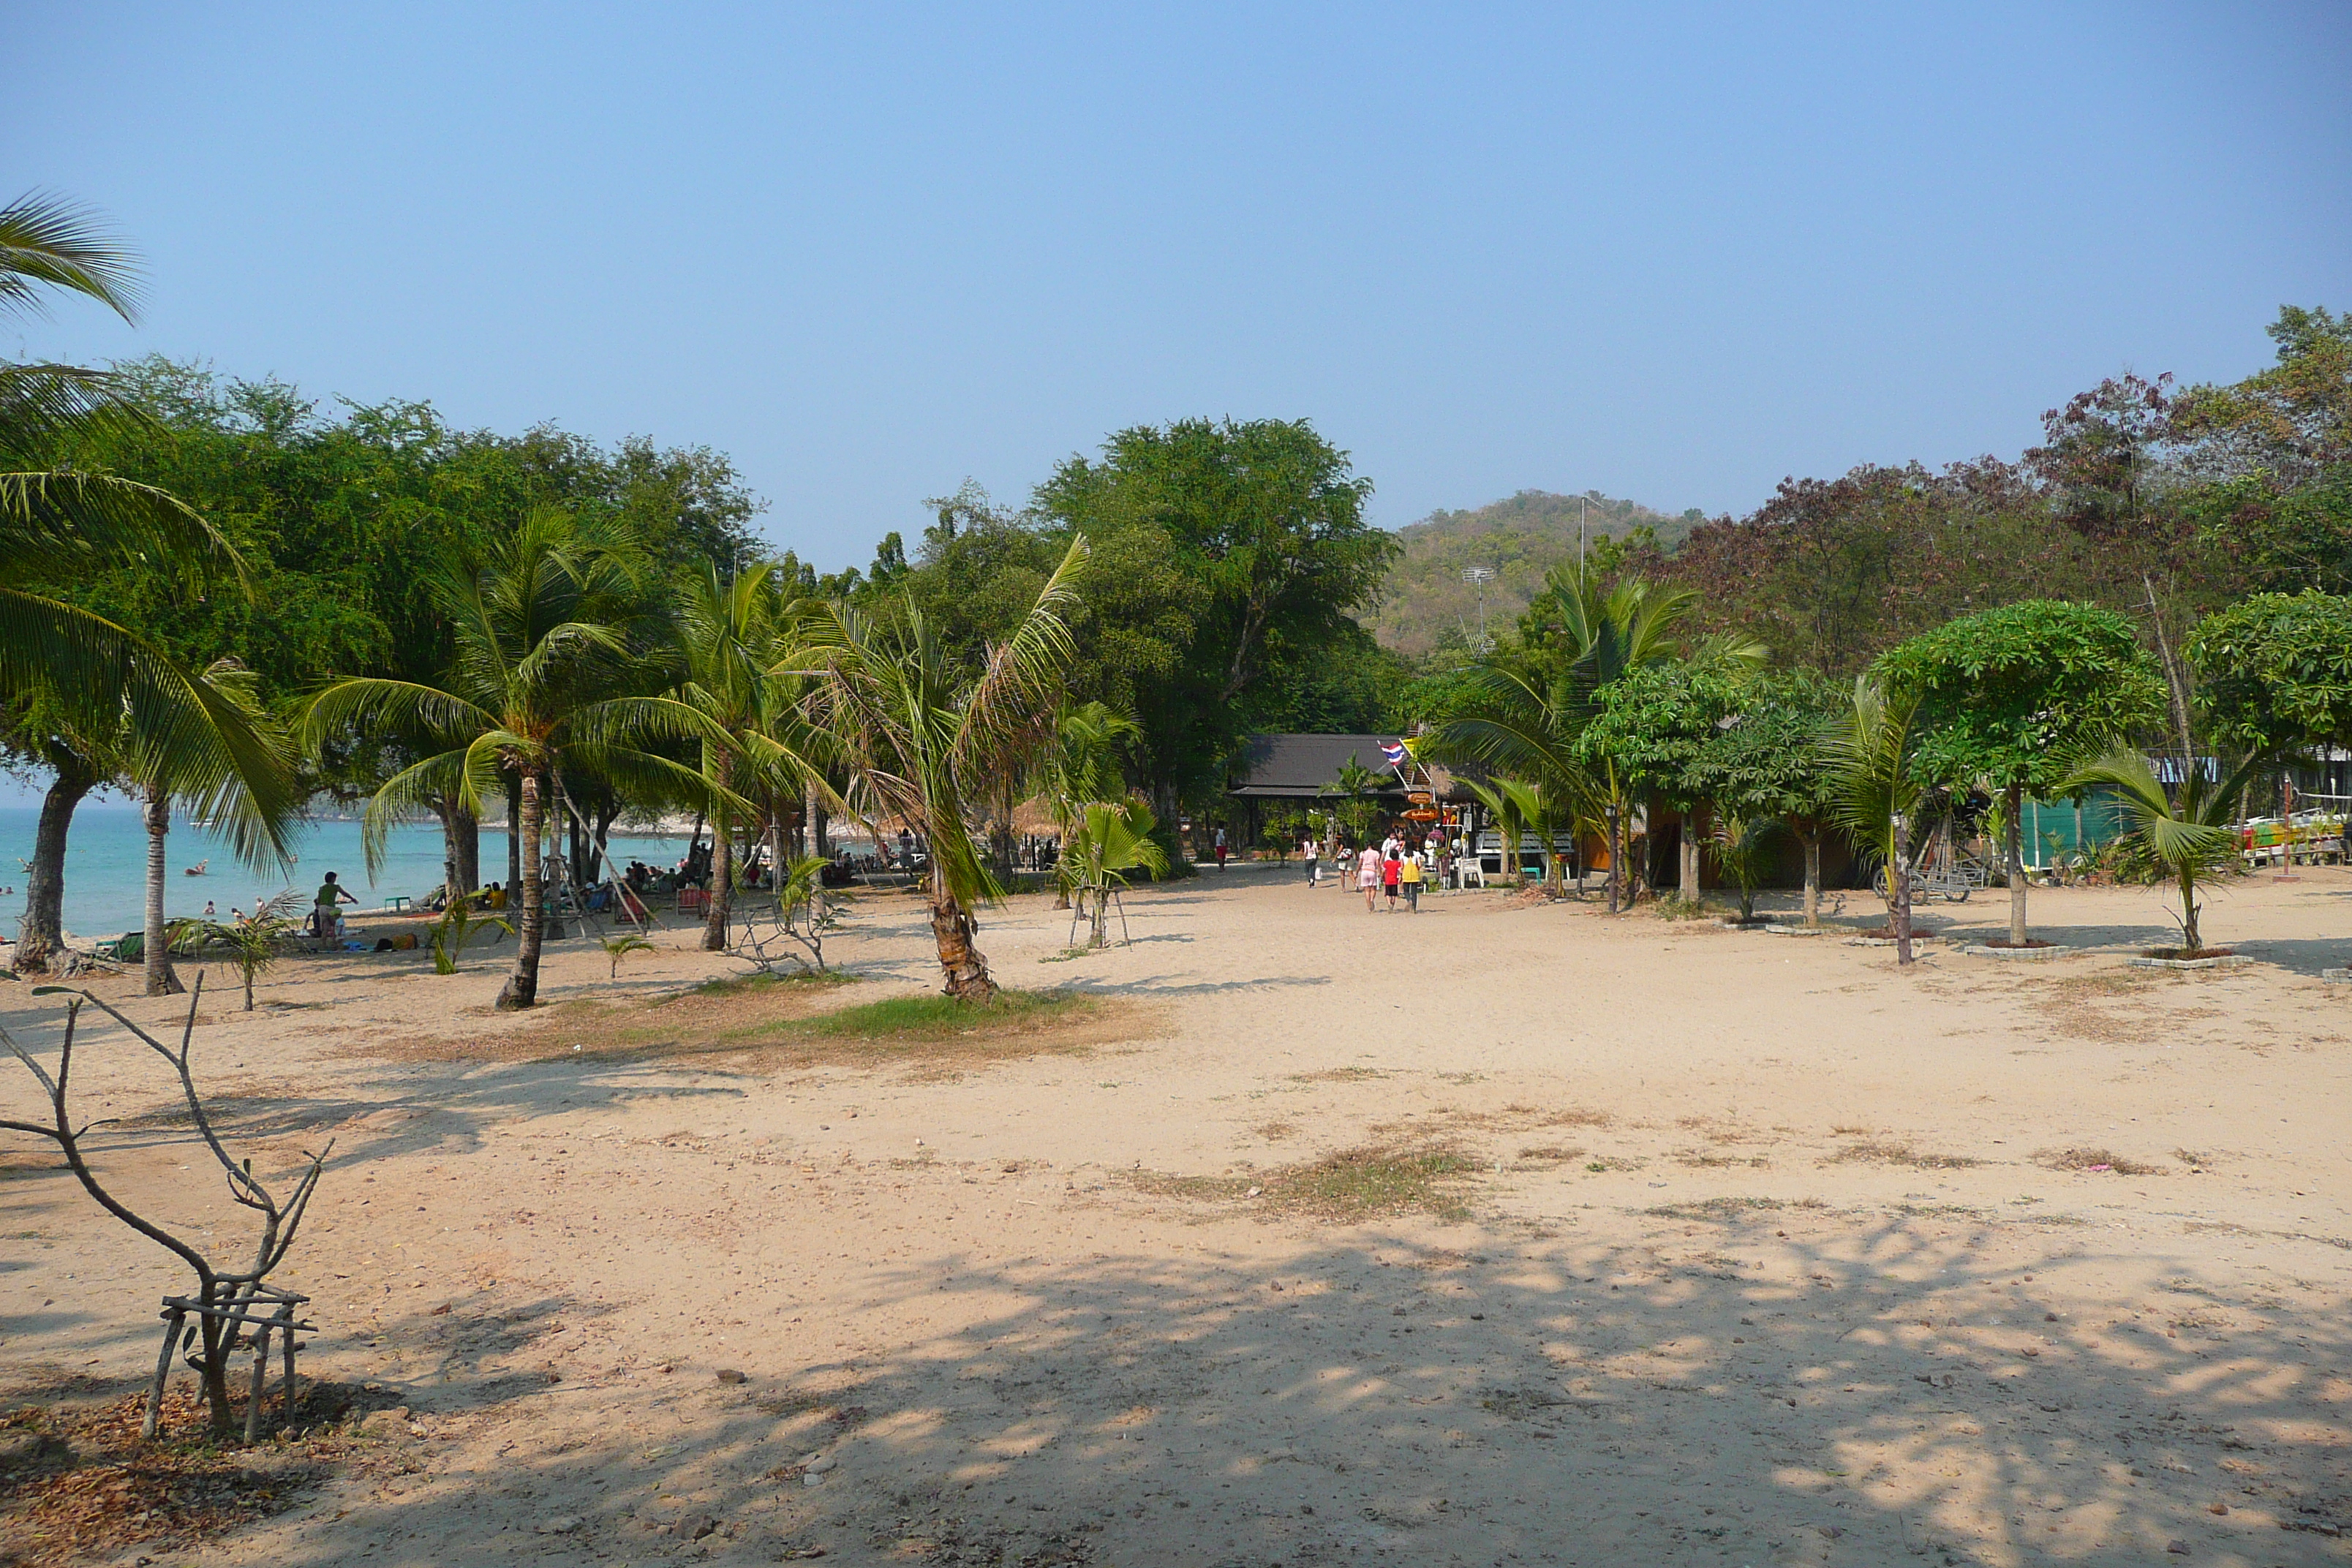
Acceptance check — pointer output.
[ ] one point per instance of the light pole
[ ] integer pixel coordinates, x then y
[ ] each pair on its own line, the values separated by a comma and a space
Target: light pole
1616, 854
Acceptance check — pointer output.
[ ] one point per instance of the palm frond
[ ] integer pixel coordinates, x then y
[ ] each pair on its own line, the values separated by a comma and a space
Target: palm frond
46, 240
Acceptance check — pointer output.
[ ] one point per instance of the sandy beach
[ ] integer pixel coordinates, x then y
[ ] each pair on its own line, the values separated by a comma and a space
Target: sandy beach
1502, 1233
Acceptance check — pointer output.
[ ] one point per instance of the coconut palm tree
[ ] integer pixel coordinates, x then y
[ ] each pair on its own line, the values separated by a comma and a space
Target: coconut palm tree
78, 671
253, 942
2190, 831
1870, 751
544, 673
734, 639
1503, 810
174, 763
1527, 719
924, 742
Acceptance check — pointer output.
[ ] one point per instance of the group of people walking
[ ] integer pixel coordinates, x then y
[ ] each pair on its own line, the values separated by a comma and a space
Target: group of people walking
1396, 867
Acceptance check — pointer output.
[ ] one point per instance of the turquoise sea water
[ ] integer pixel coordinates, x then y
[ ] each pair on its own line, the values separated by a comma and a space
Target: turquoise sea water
106, 865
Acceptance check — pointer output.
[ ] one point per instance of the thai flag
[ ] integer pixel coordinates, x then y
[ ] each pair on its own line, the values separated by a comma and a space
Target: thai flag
1395, 754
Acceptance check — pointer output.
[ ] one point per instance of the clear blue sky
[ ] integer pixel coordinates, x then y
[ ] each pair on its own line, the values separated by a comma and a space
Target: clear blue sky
1669, 252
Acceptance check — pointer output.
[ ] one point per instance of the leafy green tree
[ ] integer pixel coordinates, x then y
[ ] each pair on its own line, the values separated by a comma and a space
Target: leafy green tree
2275, 671
2014, 698
1655, 727
544, 675
1765, 762
1227, 555
924, 740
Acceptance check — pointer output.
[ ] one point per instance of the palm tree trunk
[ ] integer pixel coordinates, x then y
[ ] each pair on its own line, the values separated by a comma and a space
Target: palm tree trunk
1686, 870
1899, 889
521, 989
2196, 943
161, 980
814, 808
514, 839
2014, 859
965, 966
722, 872
43, 931
776, 851
465, 848
1101, 935
1812, 842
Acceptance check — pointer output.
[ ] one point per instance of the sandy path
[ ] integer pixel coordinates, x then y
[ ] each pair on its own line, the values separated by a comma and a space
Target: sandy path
1817, 1302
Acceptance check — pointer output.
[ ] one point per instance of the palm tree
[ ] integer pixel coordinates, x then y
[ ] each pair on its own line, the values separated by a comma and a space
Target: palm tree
1528, 730
2187, 832
1081, 765
544, 674
253, 942
924, 743
1110, 839
191, 764
733, 640
1527, 720
60, 525
1742, 847
1510, 822
1870, 751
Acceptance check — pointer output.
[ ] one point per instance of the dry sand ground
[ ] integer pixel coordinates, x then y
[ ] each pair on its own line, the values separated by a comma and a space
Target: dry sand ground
1764, 1259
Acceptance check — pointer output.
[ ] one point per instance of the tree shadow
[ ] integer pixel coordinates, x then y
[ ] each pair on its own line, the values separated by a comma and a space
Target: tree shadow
1872, 1390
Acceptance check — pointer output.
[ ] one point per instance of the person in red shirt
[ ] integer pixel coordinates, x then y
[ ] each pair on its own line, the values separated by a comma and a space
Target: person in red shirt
1390, 869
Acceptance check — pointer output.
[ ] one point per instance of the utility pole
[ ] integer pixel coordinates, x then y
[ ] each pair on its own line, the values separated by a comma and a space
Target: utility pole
1478, 577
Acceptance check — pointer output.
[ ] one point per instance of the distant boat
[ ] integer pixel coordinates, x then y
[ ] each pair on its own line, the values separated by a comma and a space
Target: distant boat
195, 871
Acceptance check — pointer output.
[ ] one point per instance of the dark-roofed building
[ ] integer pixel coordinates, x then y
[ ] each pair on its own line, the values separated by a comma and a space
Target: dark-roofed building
1301, 767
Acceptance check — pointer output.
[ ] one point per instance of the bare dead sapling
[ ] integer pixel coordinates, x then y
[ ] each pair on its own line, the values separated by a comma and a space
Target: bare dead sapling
803, 915
231, 1310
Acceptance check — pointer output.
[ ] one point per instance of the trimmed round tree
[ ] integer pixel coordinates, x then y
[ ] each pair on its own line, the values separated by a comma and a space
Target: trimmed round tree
1766, 761
1654, 726
2016, 696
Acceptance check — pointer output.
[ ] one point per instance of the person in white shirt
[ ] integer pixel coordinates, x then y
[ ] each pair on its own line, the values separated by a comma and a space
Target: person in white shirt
1314, 853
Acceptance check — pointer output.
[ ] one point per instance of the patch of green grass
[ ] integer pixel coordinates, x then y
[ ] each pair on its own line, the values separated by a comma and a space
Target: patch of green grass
910, 1018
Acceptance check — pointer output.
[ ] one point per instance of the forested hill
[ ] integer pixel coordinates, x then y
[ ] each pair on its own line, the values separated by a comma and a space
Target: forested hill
1424, 597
